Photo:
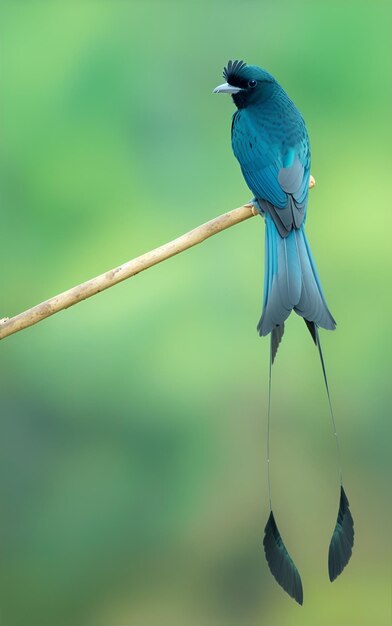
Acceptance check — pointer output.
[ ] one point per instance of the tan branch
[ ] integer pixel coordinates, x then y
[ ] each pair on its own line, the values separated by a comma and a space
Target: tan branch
9, 326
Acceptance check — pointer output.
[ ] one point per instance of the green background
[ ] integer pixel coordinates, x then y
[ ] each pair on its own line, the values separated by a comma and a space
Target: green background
132, 427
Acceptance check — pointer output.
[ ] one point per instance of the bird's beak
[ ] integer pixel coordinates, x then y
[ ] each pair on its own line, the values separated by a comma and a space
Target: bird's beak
226, 88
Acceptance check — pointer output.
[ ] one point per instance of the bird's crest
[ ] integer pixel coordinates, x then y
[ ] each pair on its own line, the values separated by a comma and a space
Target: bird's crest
232, 69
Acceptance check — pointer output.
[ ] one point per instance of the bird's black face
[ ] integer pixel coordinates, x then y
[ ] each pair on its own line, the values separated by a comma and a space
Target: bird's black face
248, 84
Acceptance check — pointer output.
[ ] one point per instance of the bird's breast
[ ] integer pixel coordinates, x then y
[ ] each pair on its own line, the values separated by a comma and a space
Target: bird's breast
266, 133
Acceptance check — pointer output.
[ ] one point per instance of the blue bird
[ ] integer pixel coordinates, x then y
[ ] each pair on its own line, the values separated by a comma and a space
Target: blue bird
271, 143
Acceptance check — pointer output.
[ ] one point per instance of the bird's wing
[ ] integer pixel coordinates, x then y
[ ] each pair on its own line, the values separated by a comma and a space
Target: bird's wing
279, 179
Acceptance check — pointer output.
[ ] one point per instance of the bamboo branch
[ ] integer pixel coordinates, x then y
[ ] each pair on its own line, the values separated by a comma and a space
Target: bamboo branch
9, 326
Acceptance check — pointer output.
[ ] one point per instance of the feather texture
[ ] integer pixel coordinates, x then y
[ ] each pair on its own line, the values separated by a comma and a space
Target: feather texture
312, 305
340, 548
280, 562
232, 69
312, 329
282, 280
276, 338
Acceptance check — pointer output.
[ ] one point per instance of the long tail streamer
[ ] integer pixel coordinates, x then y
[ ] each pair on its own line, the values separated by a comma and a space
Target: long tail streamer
342, 541
279, 560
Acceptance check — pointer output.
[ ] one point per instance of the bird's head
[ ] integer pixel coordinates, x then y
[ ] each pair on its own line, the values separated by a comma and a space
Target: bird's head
248, 84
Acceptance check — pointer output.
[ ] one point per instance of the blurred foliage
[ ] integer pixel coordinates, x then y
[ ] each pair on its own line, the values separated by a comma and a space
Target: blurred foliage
132, 431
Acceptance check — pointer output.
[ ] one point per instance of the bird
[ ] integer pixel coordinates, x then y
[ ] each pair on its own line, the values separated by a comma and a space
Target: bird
271, 143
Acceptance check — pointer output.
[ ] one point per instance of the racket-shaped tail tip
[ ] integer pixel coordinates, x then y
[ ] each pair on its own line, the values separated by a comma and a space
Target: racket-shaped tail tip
342, 541
281, 565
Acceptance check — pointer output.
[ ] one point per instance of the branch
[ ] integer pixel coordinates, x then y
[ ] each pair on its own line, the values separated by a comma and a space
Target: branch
9, 326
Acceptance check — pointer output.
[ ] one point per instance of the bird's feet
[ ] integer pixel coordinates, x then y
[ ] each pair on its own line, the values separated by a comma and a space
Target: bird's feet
256, 206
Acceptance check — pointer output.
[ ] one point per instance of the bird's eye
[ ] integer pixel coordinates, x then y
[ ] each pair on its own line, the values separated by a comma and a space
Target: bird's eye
252, 83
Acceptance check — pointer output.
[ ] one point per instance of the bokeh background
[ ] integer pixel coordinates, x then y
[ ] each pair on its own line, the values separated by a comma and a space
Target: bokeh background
132, 427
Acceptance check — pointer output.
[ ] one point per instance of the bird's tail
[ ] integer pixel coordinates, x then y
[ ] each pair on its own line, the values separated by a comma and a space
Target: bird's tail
290, 282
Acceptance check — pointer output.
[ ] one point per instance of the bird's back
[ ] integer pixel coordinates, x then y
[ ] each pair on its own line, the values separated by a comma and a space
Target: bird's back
271, 144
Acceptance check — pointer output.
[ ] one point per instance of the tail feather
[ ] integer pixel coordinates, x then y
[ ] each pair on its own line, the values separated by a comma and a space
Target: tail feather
276, 338
312, 328
282, 282
291, 282
312, 305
